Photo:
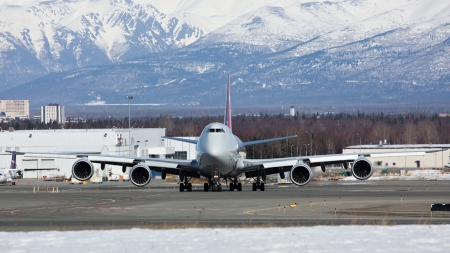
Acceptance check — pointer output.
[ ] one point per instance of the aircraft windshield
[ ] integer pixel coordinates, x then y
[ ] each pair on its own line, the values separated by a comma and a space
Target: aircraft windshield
216, 130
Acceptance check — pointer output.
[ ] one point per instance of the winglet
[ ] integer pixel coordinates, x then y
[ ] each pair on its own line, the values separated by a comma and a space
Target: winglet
227, 120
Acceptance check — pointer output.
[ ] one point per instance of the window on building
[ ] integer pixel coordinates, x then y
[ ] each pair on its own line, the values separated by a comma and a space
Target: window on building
180, 155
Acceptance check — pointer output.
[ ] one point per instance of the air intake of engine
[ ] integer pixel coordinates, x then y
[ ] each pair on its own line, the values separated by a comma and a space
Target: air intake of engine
362, 169
82, 169
140, 175
301, 174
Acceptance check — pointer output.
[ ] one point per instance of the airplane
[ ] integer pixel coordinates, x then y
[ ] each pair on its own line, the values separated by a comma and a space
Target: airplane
8, 175
221, 155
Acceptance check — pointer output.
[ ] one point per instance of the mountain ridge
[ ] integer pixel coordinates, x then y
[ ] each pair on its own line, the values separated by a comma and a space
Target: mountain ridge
284, 50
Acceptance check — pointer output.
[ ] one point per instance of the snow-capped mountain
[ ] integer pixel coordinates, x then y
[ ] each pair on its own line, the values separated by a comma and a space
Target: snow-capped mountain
40, 37
179, 51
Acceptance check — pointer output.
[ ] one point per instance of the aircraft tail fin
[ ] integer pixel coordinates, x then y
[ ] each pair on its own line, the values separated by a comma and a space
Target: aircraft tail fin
227, 120
13, 161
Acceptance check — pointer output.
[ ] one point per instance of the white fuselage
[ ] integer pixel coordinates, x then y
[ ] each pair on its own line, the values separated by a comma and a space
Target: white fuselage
6, 176
218, 150
3, 178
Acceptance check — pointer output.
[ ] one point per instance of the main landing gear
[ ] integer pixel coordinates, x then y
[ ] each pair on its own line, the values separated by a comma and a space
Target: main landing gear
258, 184
186, 185
235, 185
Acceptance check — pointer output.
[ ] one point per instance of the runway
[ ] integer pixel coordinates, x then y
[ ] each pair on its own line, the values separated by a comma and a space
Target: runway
116, 205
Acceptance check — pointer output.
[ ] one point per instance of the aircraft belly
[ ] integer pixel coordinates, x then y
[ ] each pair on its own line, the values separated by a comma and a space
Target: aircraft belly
208, 164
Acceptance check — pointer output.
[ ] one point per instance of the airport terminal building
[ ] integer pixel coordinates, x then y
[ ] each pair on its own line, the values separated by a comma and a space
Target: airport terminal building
136, 142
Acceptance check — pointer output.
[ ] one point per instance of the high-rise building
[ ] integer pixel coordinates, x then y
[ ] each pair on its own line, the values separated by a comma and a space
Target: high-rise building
14, 109
292, 111
53, 112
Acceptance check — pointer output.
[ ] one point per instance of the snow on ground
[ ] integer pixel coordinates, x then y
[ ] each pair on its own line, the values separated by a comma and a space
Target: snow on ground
405, 238
429, 175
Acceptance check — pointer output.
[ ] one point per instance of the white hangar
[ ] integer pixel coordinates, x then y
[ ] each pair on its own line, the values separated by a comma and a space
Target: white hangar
436, 160
137, 142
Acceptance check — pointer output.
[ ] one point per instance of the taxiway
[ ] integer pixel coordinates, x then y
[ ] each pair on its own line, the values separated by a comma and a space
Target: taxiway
112, 205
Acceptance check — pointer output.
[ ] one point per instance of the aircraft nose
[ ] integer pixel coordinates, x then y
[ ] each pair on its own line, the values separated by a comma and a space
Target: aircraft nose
216, 145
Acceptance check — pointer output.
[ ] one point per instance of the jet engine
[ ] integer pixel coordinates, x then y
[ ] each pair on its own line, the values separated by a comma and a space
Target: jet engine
140, 175
82, 169
301, 174
362, 169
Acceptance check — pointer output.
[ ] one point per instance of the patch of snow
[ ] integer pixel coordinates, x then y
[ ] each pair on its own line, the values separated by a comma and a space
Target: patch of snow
405, 238
411, 175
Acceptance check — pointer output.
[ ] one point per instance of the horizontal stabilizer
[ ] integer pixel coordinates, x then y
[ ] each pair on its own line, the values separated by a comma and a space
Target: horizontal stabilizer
248, 143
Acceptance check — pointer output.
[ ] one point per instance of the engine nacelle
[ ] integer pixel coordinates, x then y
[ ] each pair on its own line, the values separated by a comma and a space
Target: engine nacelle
140, 175
362, 169
301, 174
82, 169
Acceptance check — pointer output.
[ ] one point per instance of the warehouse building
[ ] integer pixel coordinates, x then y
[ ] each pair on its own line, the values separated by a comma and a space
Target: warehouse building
437, 160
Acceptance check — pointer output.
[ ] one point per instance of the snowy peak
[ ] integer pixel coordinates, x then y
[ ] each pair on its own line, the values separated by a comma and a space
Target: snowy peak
284, 48
63, 35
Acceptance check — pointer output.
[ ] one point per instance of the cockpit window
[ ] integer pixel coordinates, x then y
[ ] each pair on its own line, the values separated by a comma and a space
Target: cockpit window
216, 130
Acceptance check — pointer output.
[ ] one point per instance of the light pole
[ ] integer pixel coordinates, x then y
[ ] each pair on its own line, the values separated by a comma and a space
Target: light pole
310, 143
359, 142
129, 124
306, 148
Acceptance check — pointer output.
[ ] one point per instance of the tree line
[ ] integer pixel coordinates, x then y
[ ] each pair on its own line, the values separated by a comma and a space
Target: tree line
316, 133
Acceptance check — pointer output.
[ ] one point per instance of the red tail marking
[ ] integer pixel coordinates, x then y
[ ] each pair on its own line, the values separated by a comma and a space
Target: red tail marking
228, 106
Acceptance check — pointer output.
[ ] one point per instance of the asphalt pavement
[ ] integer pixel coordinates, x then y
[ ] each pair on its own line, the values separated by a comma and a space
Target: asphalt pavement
120, 205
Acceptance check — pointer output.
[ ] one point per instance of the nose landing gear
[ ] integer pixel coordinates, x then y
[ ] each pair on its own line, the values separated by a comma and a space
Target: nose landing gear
214, 183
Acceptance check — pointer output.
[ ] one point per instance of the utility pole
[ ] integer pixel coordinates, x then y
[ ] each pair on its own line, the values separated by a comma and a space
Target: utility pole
306, 148
359, 143
129, 124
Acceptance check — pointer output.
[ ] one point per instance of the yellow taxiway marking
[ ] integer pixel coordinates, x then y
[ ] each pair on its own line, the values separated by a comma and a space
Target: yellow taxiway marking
259, 210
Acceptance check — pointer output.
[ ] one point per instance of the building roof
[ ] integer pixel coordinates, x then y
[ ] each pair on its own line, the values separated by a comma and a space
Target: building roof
399, 146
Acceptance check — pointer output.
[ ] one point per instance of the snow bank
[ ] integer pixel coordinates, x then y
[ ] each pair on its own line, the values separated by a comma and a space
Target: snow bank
413, 238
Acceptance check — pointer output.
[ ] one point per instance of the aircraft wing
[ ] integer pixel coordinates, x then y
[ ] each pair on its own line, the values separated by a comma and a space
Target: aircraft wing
248, 143
172, 166
273, 166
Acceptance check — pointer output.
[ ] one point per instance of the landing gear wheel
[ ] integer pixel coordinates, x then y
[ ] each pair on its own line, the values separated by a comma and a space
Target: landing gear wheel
219, 188
254, 187
214, 188
239, 187
261, 187
231, 187
189, 187
181, 187
205, 187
